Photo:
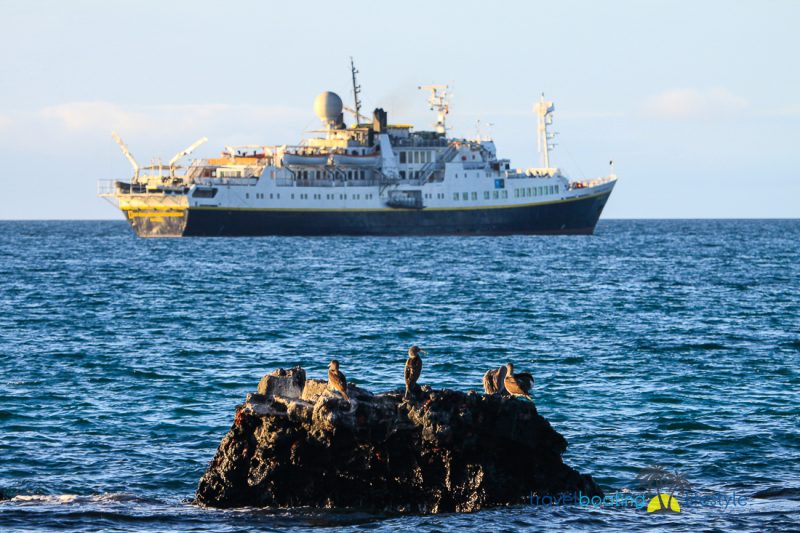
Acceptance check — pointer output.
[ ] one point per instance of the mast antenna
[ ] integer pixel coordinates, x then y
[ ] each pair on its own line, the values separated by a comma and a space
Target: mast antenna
127, 154
544, 110
438, 102
356, 90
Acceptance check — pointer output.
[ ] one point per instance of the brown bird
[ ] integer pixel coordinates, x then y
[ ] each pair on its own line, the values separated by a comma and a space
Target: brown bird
493, 381
518, 384
413, 370
337, 379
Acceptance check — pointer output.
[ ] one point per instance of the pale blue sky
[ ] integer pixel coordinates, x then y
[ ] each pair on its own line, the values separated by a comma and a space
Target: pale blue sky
697, 102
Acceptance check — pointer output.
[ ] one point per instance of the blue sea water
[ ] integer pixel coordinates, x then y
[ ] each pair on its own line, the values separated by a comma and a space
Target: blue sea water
674, 343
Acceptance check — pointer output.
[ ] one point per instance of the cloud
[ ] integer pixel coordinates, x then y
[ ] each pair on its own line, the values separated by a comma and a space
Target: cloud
6, 123
86, 125
681, 104
105, 116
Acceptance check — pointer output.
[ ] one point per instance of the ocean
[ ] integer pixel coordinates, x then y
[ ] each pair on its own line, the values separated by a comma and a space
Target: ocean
669, 343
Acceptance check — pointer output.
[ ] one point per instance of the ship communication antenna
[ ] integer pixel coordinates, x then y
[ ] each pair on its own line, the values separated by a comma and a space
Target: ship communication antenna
127, 154
356, 91
438, 103
184, 153
544, 110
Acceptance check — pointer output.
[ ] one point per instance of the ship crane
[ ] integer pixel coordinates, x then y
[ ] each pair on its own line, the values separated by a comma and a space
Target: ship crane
127, 154
184, 153
438, 102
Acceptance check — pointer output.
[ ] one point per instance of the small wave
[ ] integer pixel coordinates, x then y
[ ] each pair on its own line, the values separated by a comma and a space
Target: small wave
792, 344
790, 493
116, 497
689, 425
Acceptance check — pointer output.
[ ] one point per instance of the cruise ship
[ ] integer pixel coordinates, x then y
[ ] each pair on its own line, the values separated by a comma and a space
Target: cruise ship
372, 177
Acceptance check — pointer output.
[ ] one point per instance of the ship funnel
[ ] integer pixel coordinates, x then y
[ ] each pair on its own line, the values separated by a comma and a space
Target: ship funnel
328, 107
379, 120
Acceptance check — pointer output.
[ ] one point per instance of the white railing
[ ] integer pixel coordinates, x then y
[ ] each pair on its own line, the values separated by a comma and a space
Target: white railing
106, 187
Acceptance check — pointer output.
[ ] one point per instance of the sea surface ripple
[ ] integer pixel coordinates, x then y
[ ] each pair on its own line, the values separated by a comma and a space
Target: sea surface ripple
674, 343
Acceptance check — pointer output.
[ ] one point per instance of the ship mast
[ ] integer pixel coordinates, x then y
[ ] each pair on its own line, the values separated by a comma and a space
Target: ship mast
438, 102
544, 110
356, 90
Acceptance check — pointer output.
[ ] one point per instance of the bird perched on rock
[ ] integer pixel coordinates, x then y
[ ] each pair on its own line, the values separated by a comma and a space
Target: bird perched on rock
493, 381
337, 379
413, 369
518, 384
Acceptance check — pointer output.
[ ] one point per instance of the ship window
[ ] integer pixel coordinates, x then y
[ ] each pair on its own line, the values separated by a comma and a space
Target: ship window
416, 157
402, 157
455, 196
529, 192
495, 194
505, 193
204, 193
465, 196
474, 196
402, 174
247, 195
293, 197
485, 195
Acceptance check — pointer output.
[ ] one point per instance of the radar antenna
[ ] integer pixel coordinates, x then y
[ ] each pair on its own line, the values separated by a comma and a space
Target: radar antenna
356, 91
127, 154
438, 102
184, 153
544, 109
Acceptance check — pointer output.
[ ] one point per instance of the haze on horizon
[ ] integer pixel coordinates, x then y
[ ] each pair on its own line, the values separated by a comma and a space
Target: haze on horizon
698, 103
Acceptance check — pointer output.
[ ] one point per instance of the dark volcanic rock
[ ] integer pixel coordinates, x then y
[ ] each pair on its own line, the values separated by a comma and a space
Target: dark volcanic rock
445, 451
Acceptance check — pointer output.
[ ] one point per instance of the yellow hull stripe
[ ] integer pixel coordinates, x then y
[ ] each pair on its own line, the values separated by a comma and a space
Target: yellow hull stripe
146, 207
157, 214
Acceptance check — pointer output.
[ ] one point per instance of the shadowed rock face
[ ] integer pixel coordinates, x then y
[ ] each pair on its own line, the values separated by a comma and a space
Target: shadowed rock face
444, 451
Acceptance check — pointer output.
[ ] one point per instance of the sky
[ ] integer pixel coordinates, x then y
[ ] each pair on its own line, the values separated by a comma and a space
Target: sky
697, 102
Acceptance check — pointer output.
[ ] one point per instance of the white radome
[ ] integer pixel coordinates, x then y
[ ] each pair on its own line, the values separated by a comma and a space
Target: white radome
328, 106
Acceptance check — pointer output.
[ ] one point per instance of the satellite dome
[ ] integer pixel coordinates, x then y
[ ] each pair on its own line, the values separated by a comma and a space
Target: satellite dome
328, 107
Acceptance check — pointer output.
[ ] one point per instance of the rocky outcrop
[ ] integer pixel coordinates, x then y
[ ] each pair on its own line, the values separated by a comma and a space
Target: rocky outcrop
296, 443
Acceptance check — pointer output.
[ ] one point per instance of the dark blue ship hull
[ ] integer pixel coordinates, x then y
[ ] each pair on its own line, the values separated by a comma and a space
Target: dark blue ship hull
573, 216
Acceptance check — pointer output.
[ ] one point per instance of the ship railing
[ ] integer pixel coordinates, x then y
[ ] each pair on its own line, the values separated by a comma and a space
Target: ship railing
588, 184
106, 187
289, 182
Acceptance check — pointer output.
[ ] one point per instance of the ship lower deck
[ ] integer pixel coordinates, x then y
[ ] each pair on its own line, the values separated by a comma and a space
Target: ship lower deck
572, 216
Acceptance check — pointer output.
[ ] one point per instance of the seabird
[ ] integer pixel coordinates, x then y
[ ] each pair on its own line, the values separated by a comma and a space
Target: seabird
337, 379
493, 381
413, 370
518, 384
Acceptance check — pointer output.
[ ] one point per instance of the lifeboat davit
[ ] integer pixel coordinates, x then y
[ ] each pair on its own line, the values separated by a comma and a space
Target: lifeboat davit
352, 160
305, 159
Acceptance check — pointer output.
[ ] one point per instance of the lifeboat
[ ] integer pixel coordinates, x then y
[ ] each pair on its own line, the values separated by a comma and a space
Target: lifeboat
352, 160
305, 159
